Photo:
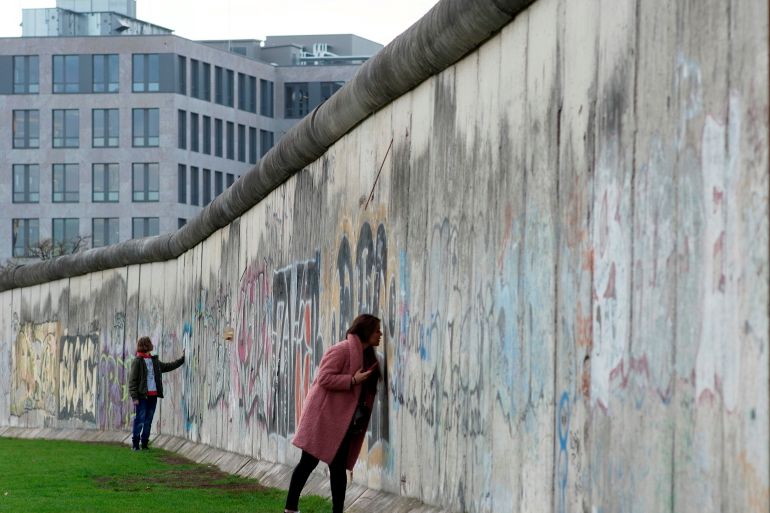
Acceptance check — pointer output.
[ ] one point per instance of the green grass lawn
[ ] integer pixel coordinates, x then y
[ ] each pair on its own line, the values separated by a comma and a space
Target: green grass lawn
42, 476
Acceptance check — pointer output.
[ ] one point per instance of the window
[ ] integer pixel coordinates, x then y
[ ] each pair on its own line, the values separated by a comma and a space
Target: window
218, 85
206, 187
182, 129
146, 73
145, 227
217, 183
329, 88
223, 86
105, 73
241, 91
207, 135
265, 142
66, 232
194, 185
229, 87
146, 127
180, 222
181, 183
106, 183
194, 132
297, 100
26, 74
181, 81
66, 183
230, 140
26, 129
66, 128
247, 93
195, 78
66, 73
242, 143
106, 126
252, 145
218, 137
251, 96
266, 98
26, 183
206, 79
230, 179
105, 231
200, 80
146, 181
26, 235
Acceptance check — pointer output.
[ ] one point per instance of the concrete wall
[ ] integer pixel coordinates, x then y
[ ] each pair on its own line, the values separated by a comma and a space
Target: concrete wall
568, 246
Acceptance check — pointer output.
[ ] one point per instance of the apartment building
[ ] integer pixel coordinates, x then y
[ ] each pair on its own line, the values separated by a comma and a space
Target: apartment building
115, 129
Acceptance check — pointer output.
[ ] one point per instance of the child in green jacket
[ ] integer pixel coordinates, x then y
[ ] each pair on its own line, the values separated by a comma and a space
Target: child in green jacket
145, 385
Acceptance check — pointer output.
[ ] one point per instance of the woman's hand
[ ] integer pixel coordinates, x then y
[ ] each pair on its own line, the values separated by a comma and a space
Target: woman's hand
136, 402
360, 376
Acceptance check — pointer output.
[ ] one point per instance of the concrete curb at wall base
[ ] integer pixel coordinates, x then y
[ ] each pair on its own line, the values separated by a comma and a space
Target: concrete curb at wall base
358, 499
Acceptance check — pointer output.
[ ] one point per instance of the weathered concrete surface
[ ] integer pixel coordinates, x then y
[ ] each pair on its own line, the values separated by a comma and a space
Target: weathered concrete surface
568, 245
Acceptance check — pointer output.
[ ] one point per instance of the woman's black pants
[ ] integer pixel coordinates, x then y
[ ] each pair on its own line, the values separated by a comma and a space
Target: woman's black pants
337, 477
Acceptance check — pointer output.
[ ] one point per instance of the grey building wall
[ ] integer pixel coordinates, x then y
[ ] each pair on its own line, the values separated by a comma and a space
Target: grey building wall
168, 155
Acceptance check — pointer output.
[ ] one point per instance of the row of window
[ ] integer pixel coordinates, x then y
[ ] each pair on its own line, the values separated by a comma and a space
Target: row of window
105, 180
66, 128
66, 234
145, 78
301, 97
146, 127
200, 191
224, 86
145, 178
200, 137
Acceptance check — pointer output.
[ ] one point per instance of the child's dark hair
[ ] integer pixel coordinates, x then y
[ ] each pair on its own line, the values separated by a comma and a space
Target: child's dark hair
144, 345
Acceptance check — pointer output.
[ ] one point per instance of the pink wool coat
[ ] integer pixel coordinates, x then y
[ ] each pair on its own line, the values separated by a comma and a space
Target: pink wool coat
330, 403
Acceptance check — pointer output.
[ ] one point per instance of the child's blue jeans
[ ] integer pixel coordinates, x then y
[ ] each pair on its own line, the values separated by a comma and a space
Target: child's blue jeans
145, 411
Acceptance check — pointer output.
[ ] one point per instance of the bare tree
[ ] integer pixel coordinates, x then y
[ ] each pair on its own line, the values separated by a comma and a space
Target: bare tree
47, 249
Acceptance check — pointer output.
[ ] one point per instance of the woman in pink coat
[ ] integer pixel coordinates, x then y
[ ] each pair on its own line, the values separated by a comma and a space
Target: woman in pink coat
337, 410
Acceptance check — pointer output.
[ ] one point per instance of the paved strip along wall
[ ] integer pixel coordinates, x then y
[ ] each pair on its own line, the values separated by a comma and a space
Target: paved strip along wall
568, 246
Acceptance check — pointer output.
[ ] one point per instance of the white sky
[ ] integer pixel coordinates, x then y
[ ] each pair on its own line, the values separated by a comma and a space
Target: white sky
378, 20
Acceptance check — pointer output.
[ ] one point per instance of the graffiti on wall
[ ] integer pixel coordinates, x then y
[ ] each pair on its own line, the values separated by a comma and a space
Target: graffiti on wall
365, 287
193, 375
297, 343
206, 373
35, 368
279, 344
78, 366
251, 364
112, 393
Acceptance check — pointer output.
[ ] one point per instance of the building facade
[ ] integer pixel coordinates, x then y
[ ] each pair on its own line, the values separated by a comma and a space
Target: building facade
124, 136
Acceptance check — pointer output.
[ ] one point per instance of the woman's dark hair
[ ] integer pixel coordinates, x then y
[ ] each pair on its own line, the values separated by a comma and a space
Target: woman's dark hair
144, 345
363, 326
